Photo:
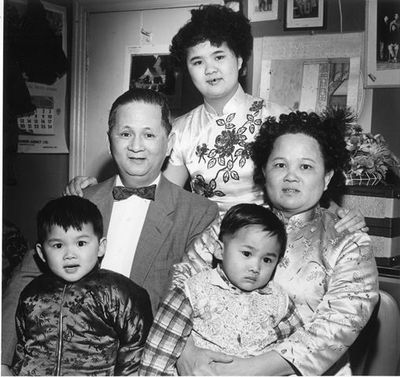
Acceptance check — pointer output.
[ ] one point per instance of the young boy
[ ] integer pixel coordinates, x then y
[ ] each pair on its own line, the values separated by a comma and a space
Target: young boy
235, 308
76, 318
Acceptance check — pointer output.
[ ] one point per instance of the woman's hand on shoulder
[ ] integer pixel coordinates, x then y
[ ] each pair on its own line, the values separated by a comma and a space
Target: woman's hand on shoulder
350, 220
77, 184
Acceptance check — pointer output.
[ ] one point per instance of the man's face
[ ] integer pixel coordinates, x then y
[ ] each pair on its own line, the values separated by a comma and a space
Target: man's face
139, 143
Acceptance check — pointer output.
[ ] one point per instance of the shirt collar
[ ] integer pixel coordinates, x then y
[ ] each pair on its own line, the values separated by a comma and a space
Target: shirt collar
232, 106
118, 181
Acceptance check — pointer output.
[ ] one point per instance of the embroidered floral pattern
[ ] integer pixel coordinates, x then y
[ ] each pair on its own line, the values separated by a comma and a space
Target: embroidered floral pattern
230, 152
236, 323
92, 344
333, 286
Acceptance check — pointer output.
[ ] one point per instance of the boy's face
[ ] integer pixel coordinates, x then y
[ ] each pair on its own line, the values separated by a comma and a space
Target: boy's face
249, 257
71, 255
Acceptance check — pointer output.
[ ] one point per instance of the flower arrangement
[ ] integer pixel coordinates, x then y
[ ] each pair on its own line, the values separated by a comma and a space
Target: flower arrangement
369, 156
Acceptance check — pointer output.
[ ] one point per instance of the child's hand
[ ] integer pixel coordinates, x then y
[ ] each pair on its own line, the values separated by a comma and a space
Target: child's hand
6, 371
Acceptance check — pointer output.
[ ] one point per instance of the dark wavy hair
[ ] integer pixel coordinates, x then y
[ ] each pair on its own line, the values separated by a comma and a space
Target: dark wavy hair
217, 24
328, 130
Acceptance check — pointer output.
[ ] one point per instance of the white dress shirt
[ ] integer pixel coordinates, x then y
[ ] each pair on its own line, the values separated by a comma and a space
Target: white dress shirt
126, 223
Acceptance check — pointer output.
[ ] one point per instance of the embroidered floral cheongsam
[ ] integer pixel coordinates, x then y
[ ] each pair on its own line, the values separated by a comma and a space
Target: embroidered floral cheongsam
332, 279
215, 149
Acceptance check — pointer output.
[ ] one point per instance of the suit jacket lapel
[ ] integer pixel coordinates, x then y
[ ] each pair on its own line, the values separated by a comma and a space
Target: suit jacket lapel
156, 228
102, 197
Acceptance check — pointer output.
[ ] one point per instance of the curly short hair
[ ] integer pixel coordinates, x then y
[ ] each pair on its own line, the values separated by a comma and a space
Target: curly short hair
217, 24
328, 130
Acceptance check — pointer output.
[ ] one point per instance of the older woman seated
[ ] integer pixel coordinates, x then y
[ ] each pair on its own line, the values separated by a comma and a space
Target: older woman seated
331, 277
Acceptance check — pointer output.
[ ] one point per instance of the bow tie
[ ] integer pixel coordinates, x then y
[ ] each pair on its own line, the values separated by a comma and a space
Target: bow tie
121, 192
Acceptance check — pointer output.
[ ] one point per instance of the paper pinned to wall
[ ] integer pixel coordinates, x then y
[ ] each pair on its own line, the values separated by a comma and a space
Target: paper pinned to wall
45, 130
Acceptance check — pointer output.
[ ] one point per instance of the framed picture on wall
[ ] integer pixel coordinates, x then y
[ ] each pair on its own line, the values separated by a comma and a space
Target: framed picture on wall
262, 10
382, 43
152, 67
304, 14
324, 72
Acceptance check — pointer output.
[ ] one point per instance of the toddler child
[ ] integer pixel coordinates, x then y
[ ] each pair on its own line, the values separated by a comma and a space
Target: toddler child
235, 308
76, 318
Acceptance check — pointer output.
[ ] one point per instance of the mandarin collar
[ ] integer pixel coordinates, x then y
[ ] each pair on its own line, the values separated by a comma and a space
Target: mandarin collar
300, 220
232, 106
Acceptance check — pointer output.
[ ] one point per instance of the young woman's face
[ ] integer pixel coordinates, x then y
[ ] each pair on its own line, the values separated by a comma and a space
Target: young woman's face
214, 71
295, 176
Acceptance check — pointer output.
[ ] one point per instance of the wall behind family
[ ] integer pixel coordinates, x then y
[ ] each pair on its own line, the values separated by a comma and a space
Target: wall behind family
42, 177
381, 111
35, 178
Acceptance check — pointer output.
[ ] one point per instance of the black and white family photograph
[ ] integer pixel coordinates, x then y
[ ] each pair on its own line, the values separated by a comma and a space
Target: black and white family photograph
200, 188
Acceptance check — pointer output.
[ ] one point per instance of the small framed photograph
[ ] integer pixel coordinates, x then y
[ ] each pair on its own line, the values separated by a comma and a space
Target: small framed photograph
151, 67
262, 10
382, 43
305, 14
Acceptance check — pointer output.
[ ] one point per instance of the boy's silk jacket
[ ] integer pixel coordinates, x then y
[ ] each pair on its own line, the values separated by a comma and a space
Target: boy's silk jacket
95, 326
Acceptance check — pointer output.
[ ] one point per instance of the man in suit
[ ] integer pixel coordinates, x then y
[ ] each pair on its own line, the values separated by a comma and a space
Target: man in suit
149, 221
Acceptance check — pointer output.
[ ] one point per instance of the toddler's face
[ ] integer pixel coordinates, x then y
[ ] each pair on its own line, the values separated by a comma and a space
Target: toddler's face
71, 254
250, 257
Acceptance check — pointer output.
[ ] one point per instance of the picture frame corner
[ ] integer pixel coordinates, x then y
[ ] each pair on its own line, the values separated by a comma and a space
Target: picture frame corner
269, 11
294, 9
378, 73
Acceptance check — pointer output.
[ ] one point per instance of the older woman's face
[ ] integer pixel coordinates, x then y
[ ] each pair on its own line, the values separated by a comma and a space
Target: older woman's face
295, 174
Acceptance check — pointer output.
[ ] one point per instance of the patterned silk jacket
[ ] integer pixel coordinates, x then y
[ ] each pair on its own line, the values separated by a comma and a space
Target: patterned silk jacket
331, 277
95, 326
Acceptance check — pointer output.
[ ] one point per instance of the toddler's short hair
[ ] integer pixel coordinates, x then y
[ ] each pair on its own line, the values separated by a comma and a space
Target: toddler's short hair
242, 215
68, 212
